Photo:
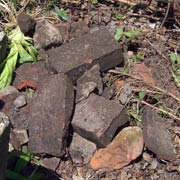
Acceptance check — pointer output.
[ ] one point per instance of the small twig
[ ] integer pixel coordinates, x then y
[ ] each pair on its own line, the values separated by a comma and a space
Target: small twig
165, 17
156, 48
146, 90
130, 3
158, 109
143, 15
24, 6
175, 79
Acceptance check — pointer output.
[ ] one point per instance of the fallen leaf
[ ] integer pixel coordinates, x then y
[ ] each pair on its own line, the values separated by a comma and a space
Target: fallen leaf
119, 83
125, 147
141, 71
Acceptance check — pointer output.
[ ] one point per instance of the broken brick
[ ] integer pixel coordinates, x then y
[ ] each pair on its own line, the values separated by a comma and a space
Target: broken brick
97, 119
83, 52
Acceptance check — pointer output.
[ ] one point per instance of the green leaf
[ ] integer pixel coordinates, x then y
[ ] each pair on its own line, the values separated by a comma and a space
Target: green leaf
119, 33
95, 2
24, 56
14, 3
132, 33
126, 69
61, 13
178, 71
22, 162
178, 60
37, 176
142, 94
14, 175
173, 58
133, 58
119, 16
134, 114
178, 78
140, 56
9, 67
16, 153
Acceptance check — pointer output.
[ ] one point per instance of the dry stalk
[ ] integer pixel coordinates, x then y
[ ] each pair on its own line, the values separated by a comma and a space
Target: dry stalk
150, 85
157, 109
9, 11
24, 6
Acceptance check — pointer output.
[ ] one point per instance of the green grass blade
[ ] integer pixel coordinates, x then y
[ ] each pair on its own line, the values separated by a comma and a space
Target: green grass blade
61, 13
119, 33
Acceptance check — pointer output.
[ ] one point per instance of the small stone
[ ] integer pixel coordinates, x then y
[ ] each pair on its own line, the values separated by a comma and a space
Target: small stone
8, 90
147, 157
46, 35
64, 29
156, 137
26, 23
125, 93
88, 82
78, 29
50, 163
97, 119
81, 150
108, 92
3, 45
154, 164
21, 135
124, 148
20, 101
7, 104
4, 141
77, 178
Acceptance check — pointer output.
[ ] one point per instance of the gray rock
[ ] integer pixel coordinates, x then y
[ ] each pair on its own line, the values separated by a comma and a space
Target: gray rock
20, 117
97, 119
20, 101
78, 29
4, 141
46, 35
81, 53
108, 92
156, 137
50, 112
7, 105
21, 135
50, 163
81, 150
88, 82
8, 90
125, 93
3, 45
64, 29
26, 23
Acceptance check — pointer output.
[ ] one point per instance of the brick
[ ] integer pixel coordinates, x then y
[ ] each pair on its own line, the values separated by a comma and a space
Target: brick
50, 112
83, 52
97, 119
